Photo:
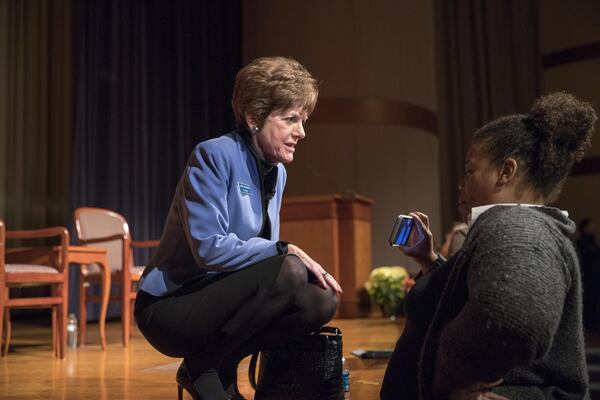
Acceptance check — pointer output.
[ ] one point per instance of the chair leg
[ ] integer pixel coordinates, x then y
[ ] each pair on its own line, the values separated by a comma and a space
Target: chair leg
55, 338
132, 319
62, 331
82, 311
8, 329
62, 319
1, 325
126, 315
55, 330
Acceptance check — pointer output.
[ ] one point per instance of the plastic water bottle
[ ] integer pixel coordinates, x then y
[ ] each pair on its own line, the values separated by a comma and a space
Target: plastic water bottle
72, 331
345, 379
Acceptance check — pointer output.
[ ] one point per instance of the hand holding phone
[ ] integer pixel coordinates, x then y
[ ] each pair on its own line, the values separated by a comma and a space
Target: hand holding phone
412, 236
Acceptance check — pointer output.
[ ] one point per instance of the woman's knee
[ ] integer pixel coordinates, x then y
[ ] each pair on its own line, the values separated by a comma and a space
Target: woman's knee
330, 305
293, 275
322, 307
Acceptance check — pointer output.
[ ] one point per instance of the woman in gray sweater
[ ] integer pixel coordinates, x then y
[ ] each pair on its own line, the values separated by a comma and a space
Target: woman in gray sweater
508, 322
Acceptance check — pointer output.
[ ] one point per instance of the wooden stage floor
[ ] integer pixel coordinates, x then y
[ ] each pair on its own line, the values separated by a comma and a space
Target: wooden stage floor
30, 370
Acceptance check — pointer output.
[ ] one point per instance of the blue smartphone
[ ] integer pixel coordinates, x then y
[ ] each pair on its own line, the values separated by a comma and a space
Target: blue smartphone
401, 231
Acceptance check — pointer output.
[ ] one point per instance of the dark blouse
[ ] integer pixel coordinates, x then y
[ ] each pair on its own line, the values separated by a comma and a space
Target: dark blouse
400, 380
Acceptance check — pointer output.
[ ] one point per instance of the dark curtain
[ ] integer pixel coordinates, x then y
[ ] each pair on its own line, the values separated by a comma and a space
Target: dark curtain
152, 78
35, 112
35, 120
489, 65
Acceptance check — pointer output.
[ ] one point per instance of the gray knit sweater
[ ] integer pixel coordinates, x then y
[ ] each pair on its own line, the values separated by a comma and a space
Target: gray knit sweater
511, 309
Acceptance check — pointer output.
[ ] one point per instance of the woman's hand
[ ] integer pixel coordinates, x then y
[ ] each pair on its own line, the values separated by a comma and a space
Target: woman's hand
323, 277
420, 242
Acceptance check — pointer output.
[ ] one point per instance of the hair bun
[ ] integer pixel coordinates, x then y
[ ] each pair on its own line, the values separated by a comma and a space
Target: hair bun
563, 122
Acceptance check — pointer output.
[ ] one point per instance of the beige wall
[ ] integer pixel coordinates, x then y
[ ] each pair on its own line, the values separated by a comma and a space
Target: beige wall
564, 25
378, 49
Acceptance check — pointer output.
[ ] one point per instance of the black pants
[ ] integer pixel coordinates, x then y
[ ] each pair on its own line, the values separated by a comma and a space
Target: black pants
400, 379
217, 322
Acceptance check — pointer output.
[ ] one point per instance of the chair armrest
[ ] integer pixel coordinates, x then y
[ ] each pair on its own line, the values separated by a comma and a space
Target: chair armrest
61, 263
145, 243
101, 239
60, 231
34, 255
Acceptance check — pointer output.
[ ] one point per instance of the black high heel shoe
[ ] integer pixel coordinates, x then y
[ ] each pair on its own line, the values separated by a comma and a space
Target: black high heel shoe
210, 379
228, 377
184, 381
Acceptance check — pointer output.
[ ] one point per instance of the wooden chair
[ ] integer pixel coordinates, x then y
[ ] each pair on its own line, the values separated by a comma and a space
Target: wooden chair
35, 266
99, 227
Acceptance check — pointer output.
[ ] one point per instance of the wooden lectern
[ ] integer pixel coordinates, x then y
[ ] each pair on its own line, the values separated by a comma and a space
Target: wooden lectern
334, 230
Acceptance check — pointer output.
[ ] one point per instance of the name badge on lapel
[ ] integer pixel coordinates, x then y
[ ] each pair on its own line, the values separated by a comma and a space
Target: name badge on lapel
244, 189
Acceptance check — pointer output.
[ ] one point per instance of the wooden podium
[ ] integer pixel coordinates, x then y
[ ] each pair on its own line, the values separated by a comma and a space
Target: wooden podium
334, 230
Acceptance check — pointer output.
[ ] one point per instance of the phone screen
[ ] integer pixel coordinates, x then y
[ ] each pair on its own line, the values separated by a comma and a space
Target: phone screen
402, 234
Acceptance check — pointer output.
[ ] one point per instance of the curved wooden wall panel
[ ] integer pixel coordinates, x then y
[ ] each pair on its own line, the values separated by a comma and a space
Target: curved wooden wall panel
345, 110
573, 54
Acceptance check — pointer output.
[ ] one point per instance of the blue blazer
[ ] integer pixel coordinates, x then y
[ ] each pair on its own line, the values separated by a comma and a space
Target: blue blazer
215, 217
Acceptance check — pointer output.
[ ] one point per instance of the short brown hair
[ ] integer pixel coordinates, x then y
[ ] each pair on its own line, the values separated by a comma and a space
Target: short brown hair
272, 83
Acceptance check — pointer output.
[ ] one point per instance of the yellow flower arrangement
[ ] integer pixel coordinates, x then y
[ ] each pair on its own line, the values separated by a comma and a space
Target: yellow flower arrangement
387, 286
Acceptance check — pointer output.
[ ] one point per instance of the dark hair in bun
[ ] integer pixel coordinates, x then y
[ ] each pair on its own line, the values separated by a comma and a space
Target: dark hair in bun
546, 142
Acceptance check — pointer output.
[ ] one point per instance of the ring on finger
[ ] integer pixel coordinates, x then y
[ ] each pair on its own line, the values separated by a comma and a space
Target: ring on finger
324, 274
